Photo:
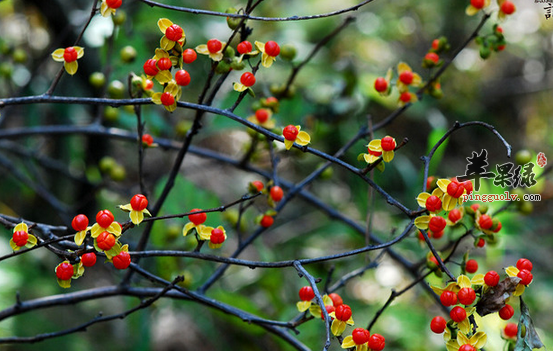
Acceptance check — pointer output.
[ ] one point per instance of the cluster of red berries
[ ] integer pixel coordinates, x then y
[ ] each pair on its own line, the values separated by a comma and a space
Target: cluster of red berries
458, 293
214, 236
170, 55
408, 78
105, 234
274, 194
432, 57
341, 315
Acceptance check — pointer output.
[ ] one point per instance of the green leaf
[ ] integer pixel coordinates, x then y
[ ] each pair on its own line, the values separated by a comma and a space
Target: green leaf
530, 340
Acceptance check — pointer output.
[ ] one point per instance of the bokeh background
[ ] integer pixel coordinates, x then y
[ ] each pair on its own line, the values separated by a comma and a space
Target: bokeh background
333, 97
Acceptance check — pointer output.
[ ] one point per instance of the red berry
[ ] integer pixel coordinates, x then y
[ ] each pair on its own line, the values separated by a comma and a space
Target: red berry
458, 314
524, 263
455, 189
329, 309
276, 193
306, 293
258, 185
511, 330
167, 99
164, 63
434, 260
105, 241
147, 139
405, 97
421, 237
64, 271
525, 277
247, 79
448, 298
79, 222
148, 84
477, 3
468, 186
88, 259
508, 7
388, 143
438, 324
499, 29
104, 218
485, 222
432, 56
455, 215
244, 47
475, 207
377, 342
481, 242
174, 33
262, 115
20, 238
290, 132
471, 266
491, 278
375, 153
217, 236
406, 77
506, 312
360, 336
436, 224
70, 54
121, 260
437, 235
214, 46
182, 77
433, 203
466, 296
266, 221
139, 202
435, 44
336, 299
197, 218
467, 347
272, 48
380, 85
496, 228
189, 56
343, 312
150, 67
429, 182
114, 4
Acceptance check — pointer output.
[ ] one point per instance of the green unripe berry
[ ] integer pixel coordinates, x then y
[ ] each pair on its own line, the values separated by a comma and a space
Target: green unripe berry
6, 69
111, 114
288, 52
116, 89
118, 173
523, 157
485, 52
19, 56
119, 18
222, 67
97, 80
526, 207
229, 52
233, 22
237, 65
106, 164
128, 54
